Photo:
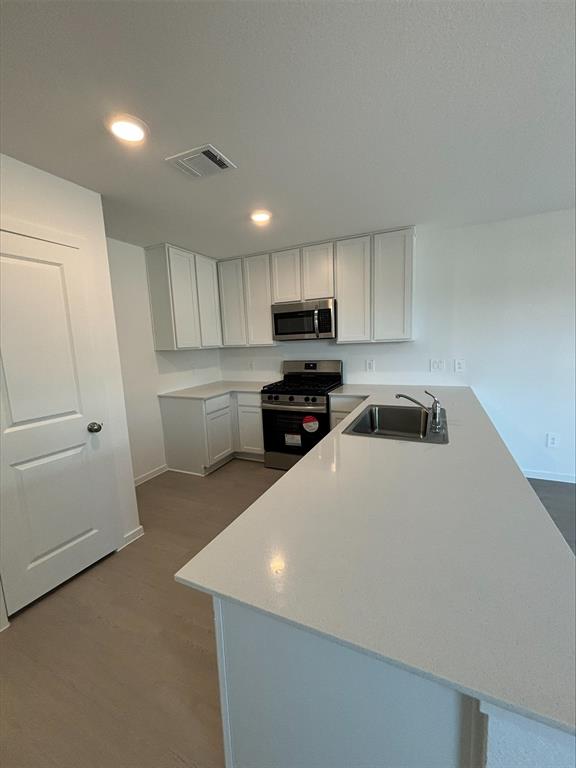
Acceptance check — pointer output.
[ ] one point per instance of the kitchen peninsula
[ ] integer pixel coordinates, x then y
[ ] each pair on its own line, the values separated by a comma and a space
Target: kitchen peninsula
388, 603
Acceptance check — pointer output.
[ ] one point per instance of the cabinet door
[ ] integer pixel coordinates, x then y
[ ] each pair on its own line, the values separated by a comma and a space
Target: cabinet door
208, 302
353, 289
258, 300
336, 418
219, 428
318, 271
232, 305
250, 429
286, 276
184, 298
392, 286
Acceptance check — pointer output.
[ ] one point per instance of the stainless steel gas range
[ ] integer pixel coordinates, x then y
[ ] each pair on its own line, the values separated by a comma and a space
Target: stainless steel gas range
296, 410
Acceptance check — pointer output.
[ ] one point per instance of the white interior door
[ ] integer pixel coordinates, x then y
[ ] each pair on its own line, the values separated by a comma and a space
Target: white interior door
58, 511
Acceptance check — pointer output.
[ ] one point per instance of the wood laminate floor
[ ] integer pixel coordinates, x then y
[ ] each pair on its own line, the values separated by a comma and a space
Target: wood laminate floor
117, 668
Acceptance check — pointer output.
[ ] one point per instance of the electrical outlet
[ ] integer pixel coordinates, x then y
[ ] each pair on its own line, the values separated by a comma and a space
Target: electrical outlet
371, 366
552, 440
437, 366
459, 365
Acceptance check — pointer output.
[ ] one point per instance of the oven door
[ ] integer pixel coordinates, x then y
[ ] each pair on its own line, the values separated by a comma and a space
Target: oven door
304, 320
290, 433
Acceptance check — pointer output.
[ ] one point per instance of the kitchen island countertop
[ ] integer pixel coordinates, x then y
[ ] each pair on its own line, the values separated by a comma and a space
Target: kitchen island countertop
437, 558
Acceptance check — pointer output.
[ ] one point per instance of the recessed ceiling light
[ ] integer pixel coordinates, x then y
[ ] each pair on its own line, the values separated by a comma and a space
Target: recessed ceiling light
128, 128
260, 217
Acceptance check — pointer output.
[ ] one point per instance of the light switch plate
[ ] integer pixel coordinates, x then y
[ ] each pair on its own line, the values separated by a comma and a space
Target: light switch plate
459, 365
552, 439
371, 366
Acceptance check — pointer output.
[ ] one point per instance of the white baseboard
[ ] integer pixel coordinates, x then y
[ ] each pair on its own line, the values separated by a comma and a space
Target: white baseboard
185, 472
131, 536
557, 476
149, 475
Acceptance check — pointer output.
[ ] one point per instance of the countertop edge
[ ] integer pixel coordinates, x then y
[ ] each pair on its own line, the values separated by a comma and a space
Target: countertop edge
569, 728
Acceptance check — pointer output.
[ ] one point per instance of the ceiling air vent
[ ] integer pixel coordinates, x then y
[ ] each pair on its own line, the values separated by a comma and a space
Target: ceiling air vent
202, 161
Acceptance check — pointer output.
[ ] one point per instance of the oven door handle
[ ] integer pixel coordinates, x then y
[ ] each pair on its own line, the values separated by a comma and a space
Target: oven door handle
316, 326
295, 408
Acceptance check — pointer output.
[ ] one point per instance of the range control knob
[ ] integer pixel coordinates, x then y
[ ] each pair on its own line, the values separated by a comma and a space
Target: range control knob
291, 398
270, 397
313, 399
276, 397
306, 399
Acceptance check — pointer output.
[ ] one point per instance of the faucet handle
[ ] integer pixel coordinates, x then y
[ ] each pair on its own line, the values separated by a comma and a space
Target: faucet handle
432, 396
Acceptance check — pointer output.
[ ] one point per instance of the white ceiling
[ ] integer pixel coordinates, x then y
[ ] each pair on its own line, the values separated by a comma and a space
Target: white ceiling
342, 117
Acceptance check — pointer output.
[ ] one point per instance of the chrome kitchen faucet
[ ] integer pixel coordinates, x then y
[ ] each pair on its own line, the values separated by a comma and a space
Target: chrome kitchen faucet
435, 409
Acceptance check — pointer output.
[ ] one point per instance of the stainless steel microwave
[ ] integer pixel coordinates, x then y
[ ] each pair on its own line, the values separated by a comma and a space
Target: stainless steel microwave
314, 319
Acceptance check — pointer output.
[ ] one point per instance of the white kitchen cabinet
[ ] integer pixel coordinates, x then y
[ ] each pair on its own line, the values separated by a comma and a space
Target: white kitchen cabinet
173, 297
233, 307
286, 280
258, 300
208, 302
219, 432
392, 286
318, 271
353, 289
336, 417
341, 406
184, 298
250, 437
202, 434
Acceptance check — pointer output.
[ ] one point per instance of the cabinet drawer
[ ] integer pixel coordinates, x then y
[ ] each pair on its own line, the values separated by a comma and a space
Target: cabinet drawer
249, 398
345, 403
217, 403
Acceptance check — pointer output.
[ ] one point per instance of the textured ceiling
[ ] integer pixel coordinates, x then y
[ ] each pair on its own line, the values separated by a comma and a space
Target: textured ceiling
342, 117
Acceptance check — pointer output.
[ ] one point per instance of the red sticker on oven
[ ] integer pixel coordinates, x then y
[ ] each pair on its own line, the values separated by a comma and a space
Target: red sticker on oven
310, 423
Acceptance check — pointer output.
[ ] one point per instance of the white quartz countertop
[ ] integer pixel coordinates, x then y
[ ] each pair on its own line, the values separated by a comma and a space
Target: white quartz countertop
438, 558
215, 388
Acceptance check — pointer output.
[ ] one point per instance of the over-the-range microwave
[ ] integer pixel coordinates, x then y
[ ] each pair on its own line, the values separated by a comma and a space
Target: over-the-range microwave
312, 319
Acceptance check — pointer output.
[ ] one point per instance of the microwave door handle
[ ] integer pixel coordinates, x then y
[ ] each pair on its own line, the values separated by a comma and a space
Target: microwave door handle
316, 328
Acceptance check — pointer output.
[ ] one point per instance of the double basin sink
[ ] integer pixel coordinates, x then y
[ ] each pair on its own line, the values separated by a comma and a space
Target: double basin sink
400, 422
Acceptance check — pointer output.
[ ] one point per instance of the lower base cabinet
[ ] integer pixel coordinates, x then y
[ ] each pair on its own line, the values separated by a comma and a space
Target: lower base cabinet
220, 441
200, 435
341, 406
250, 436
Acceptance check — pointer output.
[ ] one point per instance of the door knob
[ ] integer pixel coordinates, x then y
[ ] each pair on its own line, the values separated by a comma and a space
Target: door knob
94, 427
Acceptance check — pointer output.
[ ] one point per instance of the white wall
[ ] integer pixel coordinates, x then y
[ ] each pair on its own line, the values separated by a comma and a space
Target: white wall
500, 296
39, 199
145, 372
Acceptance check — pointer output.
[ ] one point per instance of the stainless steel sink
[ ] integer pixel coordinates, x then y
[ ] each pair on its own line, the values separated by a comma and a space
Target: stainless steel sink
399, 422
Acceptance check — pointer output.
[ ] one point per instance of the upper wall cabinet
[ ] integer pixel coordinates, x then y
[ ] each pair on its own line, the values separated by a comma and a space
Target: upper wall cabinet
353, 289
392, 286
318, 271
208, 302
184, 298
173, 297
374, 287
298, 275
231, 280
258, 300
286, 280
